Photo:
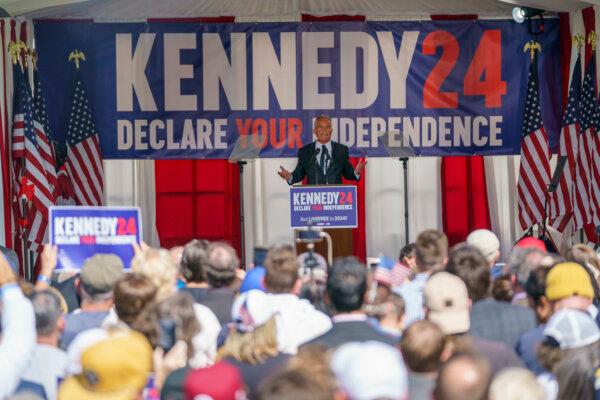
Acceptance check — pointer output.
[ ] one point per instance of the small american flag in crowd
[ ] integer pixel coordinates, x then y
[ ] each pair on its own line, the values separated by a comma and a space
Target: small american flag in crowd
84, 159
391, 273
534, 172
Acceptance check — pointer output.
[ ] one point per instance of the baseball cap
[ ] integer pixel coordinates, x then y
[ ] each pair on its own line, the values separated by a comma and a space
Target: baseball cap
571, 329
221, 381
568, 279
115, 368
253, 280
486, 242
370, 370
529, 242
100, 273
251, 309
447, 299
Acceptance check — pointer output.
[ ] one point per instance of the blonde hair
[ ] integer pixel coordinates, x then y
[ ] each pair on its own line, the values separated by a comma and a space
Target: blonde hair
159, 267
585, 255
251, 347
516, 384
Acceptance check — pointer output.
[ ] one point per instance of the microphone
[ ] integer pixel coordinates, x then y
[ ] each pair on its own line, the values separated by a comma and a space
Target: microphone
316, 153
313, 161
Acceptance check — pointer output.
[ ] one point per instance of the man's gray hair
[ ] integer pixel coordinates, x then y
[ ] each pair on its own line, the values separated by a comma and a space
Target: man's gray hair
523, 262
96, 297
321, 116
46, 306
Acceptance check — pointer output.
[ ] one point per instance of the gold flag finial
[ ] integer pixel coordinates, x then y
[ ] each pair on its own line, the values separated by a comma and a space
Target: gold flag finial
532, 47
32, 54
14, 50
77, 56
578, 40
592, 39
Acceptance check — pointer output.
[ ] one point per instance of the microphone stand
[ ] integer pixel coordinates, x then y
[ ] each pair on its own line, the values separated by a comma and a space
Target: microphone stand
544, 234
313, 161
327, 165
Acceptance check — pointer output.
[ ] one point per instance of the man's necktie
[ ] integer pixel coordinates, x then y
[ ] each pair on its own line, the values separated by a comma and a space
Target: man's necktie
324, 158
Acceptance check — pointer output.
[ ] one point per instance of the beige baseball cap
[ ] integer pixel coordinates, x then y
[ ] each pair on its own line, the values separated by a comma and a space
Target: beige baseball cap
447, 299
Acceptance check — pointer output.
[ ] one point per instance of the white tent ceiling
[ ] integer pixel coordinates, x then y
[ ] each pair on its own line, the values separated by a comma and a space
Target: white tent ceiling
138, 10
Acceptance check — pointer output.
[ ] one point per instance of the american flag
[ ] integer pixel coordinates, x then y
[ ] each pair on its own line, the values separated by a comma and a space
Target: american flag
534, 172
583, 171
594, 143
39, 221
391, 273
42, 129
84, 159
26, 150
563, 200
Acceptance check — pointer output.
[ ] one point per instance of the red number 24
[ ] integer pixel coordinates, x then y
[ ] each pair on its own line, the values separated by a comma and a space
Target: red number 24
483, 77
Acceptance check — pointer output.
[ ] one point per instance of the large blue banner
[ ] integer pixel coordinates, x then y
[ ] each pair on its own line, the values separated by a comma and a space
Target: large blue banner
188, 90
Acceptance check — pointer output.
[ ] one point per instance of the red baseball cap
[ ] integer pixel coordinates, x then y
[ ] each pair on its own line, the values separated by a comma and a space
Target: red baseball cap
529, 242
221, 381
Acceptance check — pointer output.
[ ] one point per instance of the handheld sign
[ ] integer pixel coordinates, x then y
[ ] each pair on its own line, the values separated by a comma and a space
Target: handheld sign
81, 232
328, 206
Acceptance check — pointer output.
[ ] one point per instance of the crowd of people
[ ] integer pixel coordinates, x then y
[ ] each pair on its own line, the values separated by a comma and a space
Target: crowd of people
188, 323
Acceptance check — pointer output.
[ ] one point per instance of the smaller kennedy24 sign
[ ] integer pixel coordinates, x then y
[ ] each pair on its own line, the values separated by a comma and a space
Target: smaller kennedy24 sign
81, 232
327, 206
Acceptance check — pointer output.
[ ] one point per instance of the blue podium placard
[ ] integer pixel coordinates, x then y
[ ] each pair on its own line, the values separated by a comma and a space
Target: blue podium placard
81, 232
327, 206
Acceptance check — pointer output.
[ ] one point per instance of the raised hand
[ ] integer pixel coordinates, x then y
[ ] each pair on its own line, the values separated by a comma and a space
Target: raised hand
360, 166
49, 260
284, 174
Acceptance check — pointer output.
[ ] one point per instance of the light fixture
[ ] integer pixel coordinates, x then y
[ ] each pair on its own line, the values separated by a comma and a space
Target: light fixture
522, 14
518, 15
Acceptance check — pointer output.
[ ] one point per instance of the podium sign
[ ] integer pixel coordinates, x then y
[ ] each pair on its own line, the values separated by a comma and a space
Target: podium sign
81, 232
332, 206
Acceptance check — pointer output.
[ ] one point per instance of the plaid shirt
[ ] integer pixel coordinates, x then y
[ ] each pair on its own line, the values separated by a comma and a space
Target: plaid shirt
501, 321
412, 293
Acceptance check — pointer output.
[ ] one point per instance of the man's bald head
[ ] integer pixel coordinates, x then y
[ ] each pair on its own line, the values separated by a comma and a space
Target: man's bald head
465, 376
222, 265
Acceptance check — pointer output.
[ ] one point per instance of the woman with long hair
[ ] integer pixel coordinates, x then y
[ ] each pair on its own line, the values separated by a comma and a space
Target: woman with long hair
251, 344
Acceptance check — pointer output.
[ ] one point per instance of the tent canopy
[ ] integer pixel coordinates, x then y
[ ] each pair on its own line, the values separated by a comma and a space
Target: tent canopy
263, 10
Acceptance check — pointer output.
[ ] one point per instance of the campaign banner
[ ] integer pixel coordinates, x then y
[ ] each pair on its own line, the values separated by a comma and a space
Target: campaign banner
325, 206
81, 232
243, 90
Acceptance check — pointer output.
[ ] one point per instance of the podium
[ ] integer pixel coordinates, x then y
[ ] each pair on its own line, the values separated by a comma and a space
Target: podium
331, 208
341, 239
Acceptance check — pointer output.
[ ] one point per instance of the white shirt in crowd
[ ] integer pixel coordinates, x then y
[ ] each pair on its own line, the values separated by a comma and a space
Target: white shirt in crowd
18, 337
298, 321
47, 366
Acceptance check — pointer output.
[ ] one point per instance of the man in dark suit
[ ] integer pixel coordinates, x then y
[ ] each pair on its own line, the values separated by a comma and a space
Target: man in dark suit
323, 161
346, 287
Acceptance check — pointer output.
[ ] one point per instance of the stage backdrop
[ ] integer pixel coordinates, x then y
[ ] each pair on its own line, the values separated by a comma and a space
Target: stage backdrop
183, 90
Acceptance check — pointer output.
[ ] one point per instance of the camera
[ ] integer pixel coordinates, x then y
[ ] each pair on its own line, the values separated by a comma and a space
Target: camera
310, 234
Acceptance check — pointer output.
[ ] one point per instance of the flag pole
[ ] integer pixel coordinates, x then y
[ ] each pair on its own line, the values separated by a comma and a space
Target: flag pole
24, 231
15, 49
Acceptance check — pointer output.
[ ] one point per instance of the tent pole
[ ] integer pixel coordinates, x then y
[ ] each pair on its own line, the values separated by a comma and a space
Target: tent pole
242, 222
405, 167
